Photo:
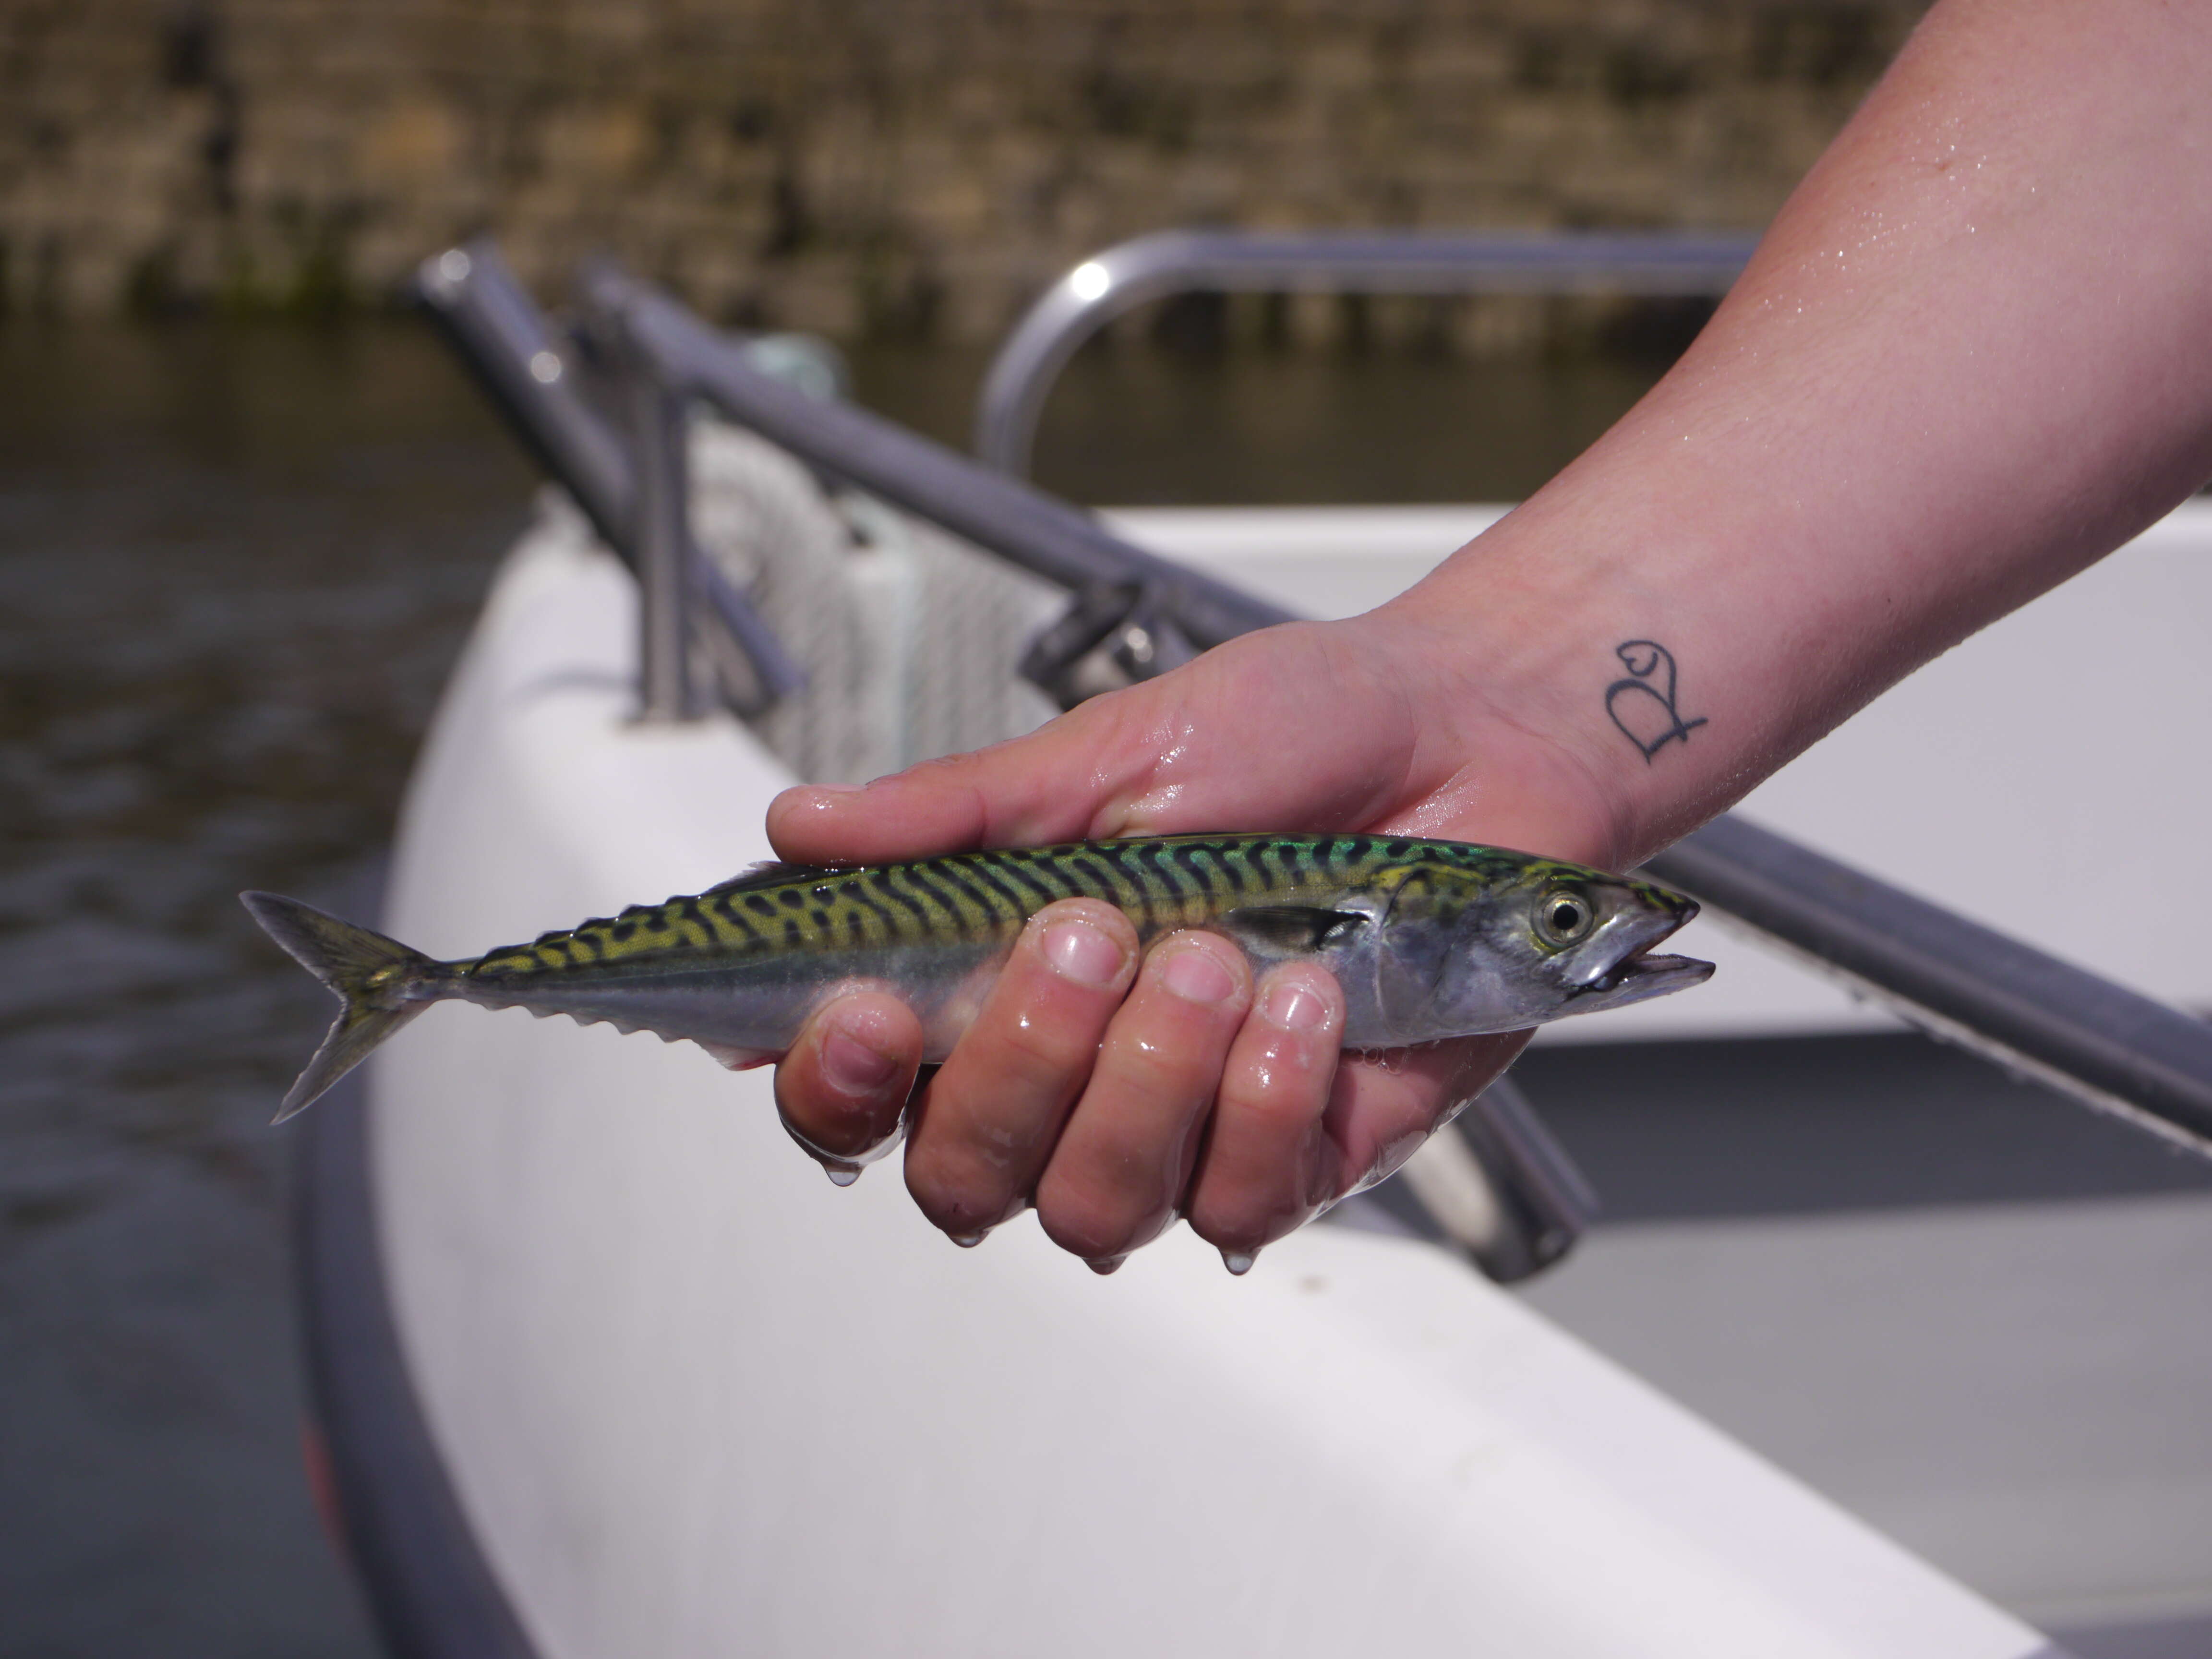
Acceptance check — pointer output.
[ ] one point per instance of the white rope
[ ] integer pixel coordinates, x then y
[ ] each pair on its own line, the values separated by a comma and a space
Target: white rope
909, 635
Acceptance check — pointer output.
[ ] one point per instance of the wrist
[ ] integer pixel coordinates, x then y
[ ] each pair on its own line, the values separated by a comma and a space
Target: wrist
1573, 691
1500, 759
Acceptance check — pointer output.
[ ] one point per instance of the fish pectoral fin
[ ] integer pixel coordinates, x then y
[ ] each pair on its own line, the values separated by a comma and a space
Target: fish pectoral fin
1280, 929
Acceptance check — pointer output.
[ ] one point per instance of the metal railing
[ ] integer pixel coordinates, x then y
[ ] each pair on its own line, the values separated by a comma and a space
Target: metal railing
1964, 982
1133, 273
538, 378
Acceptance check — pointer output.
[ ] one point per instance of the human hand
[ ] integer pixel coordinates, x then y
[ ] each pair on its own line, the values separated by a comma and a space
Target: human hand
1115, 1091
1934, 394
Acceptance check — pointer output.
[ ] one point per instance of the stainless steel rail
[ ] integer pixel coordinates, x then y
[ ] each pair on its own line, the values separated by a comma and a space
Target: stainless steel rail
2100, 1042
536, 380
660, 458
1026, 526
1129, 274
1957, 980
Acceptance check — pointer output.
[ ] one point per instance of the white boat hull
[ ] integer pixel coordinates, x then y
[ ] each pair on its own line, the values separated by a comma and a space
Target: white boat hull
693, 1399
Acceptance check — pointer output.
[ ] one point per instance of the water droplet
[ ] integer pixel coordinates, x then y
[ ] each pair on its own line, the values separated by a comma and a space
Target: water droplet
842, 1175
1239, 1261
1106, 1264
968, 1241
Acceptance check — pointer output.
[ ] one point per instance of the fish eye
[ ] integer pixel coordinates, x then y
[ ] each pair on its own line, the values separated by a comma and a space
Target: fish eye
1562, 917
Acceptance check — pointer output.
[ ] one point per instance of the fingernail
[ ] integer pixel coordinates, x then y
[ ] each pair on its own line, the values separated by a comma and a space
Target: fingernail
1239, 1261
853, 1066
1294, 1007
1195, 974
1105, 1264
837, 788
1078, 952
840, 1175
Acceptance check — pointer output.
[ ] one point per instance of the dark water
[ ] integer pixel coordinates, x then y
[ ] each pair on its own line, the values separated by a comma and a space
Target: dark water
1147, 427
234, 567
236, 564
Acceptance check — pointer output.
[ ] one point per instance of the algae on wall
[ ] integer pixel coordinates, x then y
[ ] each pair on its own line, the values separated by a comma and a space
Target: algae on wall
913, 167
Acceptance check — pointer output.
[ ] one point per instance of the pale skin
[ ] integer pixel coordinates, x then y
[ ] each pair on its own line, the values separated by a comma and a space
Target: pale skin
1972, 356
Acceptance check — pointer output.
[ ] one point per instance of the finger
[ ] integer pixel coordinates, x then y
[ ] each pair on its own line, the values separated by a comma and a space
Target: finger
1126, 1155
988, 1120
1384, 1105
1040, 789
842, 1086
1269, 1166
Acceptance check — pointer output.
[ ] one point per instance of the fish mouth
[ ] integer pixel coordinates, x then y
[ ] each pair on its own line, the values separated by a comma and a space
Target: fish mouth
1637, 973
1643, 974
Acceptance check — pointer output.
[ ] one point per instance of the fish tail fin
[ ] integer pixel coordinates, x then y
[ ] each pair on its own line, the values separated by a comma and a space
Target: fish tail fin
382, 983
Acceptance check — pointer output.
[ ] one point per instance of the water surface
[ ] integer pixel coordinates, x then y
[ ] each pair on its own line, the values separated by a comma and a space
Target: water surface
235, 566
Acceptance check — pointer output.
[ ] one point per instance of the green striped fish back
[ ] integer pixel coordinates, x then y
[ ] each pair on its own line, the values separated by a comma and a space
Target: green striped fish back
1161, 883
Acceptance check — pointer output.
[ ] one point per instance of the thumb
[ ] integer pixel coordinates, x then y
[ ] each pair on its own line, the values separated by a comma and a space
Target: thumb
1287, 729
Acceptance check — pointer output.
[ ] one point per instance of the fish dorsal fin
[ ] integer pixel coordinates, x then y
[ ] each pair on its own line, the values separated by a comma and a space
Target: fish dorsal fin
1277, 929
768, 873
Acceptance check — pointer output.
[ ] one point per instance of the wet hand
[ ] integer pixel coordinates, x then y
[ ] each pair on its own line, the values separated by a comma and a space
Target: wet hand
1115, 1090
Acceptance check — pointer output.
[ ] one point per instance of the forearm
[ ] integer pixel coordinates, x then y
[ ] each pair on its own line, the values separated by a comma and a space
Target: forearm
1973, 354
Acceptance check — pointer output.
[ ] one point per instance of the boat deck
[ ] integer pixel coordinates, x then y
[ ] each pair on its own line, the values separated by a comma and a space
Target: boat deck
1964, 1308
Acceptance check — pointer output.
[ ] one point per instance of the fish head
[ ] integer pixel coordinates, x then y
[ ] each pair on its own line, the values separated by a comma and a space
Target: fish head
1487, 953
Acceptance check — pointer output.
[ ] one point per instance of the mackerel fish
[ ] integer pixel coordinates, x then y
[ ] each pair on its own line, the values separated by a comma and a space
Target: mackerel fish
1428, 939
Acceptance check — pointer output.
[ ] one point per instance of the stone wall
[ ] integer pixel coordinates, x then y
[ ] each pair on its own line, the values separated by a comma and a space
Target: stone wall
916, 167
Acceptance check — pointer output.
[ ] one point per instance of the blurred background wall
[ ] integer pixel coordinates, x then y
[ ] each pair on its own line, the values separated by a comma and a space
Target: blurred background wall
895, 168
